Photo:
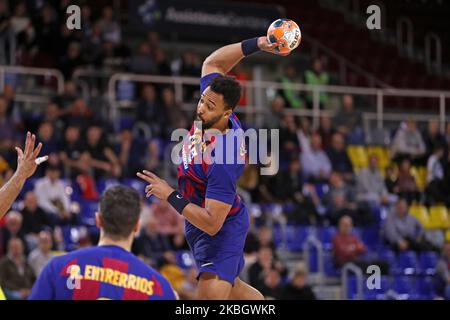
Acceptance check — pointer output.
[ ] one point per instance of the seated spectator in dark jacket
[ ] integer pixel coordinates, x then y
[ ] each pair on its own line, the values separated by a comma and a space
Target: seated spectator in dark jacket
339, 159
298, 288
271, 288
13, 228
405, 185
34, 219
442, 278
265, 262
16, 276
433, 138
348, 119
404, 232
151, 245
341, 200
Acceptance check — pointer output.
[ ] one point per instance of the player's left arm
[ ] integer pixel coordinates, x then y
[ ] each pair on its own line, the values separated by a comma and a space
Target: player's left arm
225, 58
209, 219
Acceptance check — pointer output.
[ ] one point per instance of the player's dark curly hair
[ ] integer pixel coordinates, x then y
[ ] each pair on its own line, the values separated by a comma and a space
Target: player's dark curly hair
229, 88
119, 210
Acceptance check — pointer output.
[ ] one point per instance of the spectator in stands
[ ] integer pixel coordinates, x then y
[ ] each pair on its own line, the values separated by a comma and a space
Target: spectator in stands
40, 256
47, 34
167, 218
111, 30
71, 60
13, 228
102, 159
442, 278
433, 138
348, 120
16, 276
304, 134
390, 178
265, 263
337, 153
271, 288
325, 131
274, 119
447, 133
297, 288
404, 232
79, 113
175, 116
437, 187
171, 271
71, 153
265, 238
315, 162
290, 143
340, 200
22, 27
150, 111
53, 115
143, 62
408, 142
51, 195
5, 18
371, 186
151, 245
291, 96
248, 183
131, 155
92, 43
7, 131
49, 144
162, 63
34, 219
405, 185
317, 76
68, 97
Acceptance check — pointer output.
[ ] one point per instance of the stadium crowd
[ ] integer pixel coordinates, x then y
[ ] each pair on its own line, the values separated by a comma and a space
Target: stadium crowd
321, 182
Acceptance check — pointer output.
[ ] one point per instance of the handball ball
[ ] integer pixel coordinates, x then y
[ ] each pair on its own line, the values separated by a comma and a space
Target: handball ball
286, 33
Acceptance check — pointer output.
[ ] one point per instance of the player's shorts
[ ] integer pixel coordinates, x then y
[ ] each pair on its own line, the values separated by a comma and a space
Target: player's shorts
222, 254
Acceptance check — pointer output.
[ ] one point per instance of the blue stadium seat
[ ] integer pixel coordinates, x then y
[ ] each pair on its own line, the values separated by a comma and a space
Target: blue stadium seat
352, 289
371, 237
73, 189
296, 236
326, 235
427, 262
277, 235
407, 263
388, 255
378, 294
87, 212
405, 287
103, 184
425, 288
322, 189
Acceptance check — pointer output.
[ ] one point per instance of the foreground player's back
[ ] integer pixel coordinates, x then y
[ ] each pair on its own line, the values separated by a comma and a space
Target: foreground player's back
103, 272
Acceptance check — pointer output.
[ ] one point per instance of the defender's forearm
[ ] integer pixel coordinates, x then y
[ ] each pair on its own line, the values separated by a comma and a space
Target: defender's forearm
10, 191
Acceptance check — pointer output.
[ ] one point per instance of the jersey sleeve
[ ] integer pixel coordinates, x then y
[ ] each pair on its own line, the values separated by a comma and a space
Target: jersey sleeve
221, 183
205, 80
43, 288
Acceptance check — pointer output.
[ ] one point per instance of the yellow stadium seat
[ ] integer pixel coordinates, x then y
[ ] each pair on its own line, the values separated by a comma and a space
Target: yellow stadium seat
421, 213
420, 174
447, 236
439, 217
358, 156
382, 154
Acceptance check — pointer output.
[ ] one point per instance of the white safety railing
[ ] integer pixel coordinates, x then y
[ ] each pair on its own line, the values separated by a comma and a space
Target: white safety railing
34, 98
346, 269
312, 241
251, 87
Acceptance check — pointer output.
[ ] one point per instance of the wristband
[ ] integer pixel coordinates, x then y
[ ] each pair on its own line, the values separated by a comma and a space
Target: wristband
177, 201
250, 46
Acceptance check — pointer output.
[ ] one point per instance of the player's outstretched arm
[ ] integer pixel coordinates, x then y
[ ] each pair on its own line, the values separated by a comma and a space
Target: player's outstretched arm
26, 166
209, 219
224, 59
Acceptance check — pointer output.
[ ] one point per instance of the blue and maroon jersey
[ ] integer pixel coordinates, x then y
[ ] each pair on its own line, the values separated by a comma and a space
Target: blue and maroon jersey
103, 272
199, 179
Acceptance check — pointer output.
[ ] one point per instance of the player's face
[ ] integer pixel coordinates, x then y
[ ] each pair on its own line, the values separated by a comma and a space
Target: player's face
211, 109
